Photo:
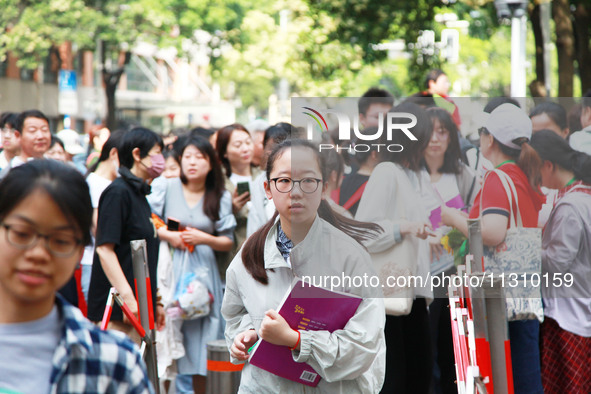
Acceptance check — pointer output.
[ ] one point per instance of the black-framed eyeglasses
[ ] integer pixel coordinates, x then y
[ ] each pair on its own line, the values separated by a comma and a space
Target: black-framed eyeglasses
24, 237
307, 185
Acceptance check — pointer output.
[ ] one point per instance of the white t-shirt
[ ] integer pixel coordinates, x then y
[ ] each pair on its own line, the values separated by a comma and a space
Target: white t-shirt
544, 214
3, 161
262, 209
17, 161
581, 140
236, 179
445, 190
96, 185
26, 353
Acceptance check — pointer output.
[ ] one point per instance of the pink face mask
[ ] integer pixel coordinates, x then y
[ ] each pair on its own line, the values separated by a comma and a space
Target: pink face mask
157, 167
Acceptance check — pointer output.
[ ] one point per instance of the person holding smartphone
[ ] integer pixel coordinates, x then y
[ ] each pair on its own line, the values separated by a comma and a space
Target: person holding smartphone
235, 150
197, 205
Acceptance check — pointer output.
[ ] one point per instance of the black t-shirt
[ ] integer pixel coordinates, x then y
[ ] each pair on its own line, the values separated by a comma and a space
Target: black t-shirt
123, 215
350, 184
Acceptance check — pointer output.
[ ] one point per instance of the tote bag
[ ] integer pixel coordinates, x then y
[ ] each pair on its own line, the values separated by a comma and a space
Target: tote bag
519, 259
399, 261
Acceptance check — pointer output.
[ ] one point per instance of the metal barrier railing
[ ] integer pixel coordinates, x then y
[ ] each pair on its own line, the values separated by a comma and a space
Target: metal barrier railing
479, 325
145, 325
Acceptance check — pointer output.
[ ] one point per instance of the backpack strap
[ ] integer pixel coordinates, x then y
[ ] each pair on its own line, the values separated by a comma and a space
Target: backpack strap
355, 197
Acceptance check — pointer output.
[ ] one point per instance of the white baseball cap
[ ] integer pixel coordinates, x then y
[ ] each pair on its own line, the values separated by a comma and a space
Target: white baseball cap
257, 125
71, 140
509, 124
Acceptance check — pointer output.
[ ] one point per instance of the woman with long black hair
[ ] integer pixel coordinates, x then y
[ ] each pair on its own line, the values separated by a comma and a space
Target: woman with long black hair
566, 251
453, 184
203, 208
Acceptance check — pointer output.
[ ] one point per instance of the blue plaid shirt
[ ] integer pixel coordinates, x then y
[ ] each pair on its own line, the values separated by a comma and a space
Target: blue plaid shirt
284, 244
89, 360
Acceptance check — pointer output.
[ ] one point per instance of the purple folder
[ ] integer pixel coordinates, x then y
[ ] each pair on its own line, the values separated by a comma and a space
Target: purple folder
304, 307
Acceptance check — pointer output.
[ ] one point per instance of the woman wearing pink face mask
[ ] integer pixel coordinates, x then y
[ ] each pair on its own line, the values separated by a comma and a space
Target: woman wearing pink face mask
124, 215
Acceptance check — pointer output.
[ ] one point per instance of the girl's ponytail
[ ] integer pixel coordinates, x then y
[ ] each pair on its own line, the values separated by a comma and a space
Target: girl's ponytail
359, 231
557, 150
530, 163
253, 252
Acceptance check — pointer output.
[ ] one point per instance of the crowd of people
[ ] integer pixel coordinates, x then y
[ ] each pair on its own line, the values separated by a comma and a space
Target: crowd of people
231, 216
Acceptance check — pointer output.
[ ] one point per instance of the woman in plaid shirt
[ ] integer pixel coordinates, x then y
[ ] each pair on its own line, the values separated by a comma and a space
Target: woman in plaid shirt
46, 345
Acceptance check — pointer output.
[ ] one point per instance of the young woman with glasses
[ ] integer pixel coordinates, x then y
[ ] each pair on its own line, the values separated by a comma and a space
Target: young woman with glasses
453, 184
46, 345
304, 238
10, 142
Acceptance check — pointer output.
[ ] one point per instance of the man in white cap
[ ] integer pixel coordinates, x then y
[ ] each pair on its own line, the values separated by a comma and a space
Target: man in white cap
71, 140
72, 146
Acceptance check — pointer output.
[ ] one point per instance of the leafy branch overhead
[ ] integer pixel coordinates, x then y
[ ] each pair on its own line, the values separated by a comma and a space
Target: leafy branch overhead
315, 47
367, 22
31, 28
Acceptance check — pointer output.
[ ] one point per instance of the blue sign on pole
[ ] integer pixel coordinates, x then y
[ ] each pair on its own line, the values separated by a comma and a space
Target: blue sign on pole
67, 81
67, 93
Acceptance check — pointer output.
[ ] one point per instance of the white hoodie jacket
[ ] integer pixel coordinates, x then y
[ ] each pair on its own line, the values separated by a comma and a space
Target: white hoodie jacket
351, 360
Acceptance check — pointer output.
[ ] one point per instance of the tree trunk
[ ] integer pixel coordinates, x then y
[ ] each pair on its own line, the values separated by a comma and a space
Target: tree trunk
111, 79
110, 88
540, 80
565, 47
582, 33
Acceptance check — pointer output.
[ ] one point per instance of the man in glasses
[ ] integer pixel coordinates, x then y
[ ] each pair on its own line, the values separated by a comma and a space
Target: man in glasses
10, 142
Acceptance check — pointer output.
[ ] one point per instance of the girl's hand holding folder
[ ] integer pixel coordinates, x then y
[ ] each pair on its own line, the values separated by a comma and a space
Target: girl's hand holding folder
242, 344
275, 330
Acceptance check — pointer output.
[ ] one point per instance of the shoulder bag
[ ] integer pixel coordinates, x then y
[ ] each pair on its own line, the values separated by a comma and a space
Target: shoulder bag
519, 258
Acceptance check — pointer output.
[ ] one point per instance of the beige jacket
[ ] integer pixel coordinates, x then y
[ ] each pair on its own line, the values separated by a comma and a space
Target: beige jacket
351, 360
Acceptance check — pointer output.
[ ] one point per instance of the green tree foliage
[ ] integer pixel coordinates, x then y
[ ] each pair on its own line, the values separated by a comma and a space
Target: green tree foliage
367, 22
324, 48
31, 28
320, 47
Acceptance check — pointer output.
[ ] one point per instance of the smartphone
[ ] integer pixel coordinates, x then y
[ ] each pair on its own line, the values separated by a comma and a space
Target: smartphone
173, 224
242, 187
